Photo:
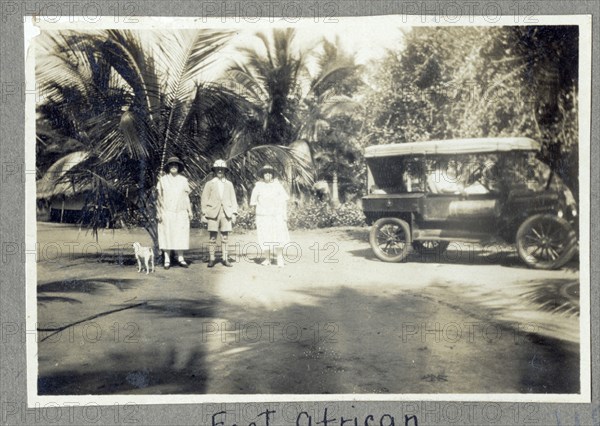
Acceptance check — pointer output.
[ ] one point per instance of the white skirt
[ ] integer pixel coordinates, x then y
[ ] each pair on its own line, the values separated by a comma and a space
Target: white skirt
270, 229
174, 231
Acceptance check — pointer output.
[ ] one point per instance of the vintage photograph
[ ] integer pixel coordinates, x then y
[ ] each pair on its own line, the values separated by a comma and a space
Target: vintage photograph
371, 208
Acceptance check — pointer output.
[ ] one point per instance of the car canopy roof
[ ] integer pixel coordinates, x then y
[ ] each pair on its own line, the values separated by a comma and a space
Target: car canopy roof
453, 146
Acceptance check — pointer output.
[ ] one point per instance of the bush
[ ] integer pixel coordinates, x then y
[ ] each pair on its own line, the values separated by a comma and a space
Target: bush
348, 214
311, 215
245, 219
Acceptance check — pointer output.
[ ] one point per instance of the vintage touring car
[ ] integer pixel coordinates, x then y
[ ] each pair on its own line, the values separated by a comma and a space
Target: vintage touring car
423, 195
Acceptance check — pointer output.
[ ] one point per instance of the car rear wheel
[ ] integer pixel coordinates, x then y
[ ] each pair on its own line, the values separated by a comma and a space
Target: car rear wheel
390, 239
430, 246
545, 241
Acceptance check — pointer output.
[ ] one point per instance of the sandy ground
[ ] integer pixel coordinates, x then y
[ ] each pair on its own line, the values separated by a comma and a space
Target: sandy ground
333, 320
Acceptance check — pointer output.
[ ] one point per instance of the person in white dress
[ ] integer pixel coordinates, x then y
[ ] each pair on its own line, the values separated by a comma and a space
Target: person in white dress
270, 201
174, 212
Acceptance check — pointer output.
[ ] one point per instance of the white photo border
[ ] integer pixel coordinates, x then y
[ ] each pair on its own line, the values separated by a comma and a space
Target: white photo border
33, 25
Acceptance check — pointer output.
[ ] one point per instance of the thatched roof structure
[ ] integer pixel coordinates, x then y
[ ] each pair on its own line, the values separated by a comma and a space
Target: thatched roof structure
55, 182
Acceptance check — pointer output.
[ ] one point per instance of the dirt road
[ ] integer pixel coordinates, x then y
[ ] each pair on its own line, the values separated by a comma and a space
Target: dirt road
333, 320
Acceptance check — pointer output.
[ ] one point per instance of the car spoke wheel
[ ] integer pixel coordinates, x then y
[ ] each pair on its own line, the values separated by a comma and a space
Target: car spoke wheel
390, 239
430, 246
545, 241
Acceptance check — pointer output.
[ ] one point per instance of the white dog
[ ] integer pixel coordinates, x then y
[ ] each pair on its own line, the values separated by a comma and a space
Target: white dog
146, 253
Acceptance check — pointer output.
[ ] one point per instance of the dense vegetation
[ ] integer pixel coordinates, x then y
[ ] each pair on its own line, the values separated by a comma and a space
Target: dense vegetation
117, 104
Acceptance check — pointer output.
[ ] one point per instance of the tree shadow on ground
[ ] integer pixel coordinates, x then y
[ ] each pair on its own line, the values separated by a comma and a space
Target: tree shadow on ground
91, 285
43, 300
343, 341
551, 367
559, 296
158, 359
144, 371
183, 308
346, 340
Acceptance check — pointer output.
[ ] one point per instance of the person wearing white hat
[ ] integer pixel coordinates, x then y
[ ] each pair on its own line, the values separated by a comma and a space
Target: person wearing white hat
219, 210
174, 212
270, 201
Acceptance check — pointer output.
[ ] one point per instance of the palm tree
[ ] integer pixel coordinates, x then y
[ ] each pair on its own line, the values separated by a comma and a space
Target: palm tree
131, 101
224, 123
332, 83
292, 106
271, 77
337, 155
328, 124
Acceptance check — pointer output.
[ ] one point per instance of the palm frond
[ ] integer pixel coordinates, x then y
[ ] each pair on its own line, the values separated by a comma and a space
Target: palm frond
124, 58
267, 45
197, 53
292, 165
251, 86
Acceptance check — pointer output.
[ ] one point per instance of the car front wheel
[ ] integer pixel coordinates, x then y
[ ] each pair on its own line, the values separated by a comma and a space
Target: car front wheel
545, 241
390, 239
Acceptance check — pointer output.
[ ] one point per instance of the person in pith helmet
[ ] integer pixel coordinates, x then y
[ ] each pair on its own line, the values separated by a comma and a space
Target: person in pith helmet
219, 210
174, 212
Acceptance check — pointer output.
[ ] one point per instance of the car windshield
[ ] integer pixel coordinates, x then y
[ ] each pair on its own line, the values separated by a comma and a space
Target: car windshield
488, 173
526, 173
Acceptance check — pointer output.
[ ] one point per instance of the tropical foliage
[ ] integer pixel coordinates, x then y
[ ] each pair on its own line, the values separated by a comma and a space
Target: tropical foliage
117, 104
338, 158
297, 95
129, 104
453, 82
312, 214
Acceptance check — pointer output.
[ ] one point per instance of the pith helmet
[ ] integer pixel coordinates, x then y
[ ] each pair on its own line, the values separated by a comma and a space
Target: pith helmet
219, 164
